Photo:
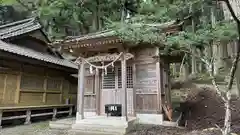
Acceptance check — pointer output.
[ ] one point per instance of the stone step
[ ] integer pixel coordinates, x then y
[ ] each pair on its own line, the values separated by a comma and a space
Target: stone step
60, 126
103, 129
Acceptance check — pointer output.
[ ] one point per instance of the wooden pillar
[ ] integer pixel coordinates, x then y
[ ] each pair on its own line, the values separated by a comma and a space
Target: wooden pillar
28, 117
80, 93
159, 82
70, 111
17, 95
97, 90
61, 90
1, 113
5, 87
54, 114
45, 90
124, 86
162, 83
168, 79
134, 88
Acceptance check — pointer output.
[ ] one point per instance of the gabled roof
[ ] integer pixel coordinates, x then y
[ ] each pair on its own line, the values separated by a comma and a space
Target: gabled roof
19, 28
107, 33
15, 49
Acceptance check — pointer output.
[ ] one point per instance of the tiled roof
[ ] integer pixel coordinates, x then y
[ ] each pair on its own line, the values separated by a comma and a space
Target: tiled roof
107, 33
35, 55
19, 28
99, 34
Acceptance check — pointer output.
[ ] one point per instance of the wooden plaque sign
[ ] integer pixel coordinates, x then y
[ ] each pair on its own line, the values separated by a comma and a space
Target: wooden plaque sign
146, 78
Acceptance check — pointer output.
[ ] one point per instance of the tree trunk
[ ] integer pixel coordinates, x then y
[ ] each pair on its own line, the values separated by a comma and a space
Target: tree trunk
194, 62
174, 69
237, 78
227, 121
193, 49
185, 71
200, 63
99, 15
216, 63
94, 21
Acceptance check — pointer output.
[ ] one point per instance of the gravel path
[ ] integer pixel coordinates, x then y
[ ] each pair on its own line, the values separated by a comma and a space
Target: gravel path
40, 128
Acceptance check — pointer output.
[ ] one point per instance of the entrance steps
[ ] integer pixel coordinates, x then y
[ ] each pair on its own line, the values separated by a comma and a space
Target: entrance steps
104, 125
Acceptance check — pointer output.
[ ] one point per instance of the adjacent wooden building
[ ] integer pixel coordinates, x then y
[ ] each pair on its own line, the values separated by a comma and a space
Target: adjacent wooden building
31, 72
116, 72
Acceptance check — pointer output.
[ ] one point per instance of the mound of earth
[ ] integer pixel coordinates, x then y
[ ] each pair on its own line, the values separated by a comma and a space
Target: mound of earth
203, 109
179, 84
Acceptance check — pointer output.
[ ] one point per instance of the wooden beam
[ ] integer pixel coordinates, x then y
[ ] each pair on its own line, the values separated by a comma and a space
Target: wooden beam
108, 57
124, 87
45, 90
61, 90
5, 87
97, 90
169, 85
158, 74
80, 95
134, 88
17, 94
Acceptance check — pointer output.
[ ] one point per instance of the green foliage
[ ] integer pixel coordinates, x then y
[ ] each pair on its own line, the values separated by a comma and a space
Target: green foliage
164, 11
61, 17
220, 32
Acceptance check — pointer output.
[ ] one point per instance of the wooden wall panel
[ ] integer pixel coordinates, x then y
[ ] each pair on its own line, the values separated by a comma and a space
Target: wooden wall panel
73, 98
65, 90
145, 55
146, 103
31, 98
53, 98
146, 81
89, 102
89, 84
30, 69
11, 86
2, 85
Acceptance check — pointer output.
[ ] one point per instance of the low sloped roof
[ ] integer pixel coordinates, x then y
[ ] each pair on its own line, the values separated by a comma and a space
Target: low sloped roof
19, 27
107, 33
23, 51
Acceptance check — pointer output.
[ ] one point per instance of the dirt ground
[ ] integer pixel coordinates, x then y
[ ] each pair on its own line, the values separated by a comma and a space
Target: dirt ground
205, 109
43, 129
160, 130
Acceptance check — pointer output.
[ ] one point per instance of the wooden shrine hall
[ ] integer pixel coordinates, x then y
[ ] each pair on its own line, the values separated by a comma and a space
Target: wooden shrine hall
114, 72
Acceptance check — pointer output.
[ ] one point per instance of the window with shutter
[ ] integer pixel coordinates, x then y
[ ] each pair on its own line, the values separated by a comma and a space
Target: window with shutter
109, 80
32, 82
53, 84
129, 77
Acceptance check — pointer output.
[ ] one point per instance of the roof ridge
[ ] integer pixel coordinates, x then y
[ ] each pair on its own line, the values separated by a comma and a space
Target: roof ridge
18, 22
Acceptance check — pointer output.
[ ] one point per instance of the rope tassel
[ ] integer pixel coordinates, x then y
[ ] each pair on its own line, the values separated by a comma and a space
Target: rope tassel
91, 70
105, 69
